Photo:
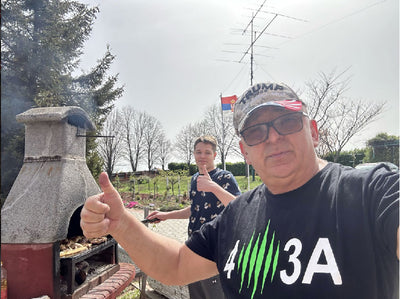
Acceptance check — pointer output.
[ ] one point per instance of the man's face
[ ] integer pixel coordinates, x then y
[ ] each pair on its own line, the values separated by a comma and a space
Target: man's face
204, 155
280, 156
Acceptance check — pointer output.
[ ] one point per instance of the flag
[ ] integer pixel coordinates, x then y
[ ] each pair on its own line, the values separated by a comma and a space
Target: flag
228, 102
290, 104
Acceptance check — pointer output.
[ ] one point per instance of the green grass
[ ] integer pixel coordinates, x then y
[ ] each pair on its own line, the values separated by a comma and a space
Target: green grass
243, 182
130, 294
154, 193
158, 186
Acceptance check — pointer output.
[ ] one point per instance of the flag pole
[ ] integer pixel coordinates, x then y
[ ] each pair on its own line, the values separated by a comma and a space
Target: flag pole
223, 127
248, 177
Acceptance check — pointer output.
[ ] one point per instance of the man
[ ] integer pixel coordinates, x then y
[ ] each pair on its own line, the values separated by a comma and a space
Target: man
312, 230
211, 189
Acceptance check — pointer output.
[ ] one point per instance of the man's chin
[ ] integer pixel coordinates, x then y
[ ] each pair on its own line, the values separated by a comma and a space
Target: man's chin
280, 169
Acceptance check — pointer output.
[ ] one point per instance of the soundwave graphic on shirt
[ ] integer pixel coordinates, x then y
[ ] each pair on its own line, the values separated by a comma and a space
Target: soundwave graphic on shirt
258, 261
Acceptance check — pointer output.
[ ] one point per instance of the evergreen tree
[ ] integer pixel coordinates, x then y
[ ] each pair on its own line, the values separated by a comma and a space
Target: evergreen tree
41, 43
384, 148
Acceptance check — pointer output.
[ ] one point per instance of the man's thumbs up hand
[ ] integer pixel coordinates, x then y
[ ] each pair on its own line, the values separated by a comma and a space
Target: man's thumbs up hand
101, 213
105, 184
111, 197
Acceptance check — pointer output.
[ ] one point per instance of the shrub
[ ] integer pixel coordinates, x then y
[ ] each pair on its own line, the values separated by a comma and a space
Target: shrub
237, 169
177, 166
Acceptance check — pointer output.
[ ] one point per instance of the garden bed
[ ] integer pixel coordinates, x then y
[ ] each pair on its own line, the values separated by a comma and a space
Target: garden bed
161, 203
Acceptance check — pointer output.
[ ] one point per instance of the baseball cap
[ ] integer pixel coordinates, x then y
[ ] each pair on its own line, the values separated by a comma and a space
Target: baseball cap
261, 95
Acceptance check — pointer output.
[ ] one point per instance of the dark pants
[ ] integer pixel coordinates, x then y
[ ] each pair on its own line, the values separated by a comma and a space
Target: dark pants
206, 289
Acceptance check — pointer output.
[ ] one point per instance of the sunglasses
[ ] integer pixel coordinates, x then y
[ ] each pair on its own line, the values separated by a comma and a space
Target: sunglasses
283, 125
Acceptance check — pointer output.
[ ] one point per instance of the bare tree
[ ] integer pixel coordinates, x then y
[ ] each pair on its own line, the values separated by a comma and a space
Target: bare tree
185, 141
349, 119
339, 118
152, 134
214, 124
200, 128
133, 130
165, 147
110, 147
220, 126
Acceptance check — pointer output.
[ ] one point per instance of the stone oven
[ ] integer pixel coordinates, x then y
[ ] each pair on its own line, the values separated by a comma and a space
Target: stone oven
43, 209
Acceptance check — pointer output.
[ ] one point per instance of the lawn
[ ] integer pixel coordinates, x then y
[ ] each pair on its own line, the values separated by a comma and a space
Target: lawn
155, 194
162, 194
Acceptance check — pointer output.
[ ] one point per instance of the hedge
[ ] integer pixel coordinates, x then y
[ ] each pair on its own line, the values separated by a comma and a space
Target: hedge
237, 169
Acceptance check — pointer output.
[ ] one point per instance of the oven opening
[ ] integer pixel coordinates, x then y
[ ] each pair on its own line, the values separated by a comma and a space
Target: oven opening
83, 261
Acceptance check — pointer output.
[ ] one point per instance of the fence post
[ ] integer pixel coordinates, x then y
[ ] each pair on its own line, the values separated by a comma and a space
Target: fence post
144, 276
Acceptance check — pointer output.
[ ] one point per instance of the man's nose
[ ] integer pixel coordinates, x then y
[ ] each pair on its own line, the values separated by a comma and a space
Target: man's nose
202, 155
273, 135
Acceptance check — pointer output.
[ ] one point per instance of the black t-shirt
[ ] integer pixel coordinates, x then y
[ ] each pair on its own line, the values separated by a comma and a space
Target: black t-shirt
334, 237
205, 206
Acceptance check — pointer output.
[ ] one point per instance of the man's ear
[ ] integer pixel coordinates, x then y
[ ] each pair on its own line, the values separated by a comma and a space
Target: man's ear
244, 152
215, 154
314, 132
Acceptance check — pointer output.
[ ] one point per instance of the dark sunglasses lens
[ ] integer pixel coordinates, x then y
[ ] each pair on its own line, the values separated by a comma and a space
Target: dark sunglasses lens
284, 125
256, 134
288, 124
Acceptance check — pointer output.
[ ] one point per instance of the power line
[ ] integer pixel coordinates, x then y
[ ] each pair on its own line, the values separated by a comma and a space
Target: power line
260, 66
245, 31
252, 42
237, 75
339, 19
255, 38
252, 19
286, 16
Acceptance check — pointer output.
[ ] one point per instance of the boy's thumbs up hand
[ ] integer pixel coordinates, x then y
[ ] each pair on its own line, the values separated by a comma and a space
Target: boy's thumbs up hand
101, 213
204, 181
203, 171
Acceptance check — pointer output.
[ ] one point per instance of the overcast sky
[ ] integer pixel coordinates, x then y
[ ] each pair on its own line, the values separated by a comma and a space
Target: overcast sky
176, 57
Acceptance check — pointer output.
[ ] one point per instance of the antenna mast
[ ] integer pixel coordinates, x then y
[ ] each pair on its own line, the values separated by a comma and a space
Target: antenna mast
254, 37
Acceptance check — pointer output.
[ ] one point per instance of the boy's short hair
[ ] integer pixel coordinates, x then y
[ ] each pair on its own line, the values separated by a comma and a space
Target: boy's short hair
206, 139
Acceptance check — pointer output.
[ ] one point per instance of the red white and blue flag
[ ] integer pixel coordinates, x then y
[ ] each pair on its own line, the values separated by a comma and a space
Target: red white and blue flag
290, 104
228, 102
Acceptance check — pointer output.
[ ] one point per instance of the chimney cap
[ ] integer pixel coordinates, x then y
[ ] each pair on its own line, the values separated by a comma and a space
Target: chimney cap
74, 115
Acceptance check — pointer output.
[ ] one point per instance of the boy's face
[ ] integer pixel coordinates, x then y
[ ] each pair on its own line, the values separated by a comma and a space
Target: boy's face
204, 155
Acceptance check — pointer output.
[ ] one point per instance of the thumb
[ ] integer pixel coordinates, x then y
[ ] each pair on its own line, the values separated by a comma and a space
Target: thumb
204, 170
110, 197
106, 185
201, 169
